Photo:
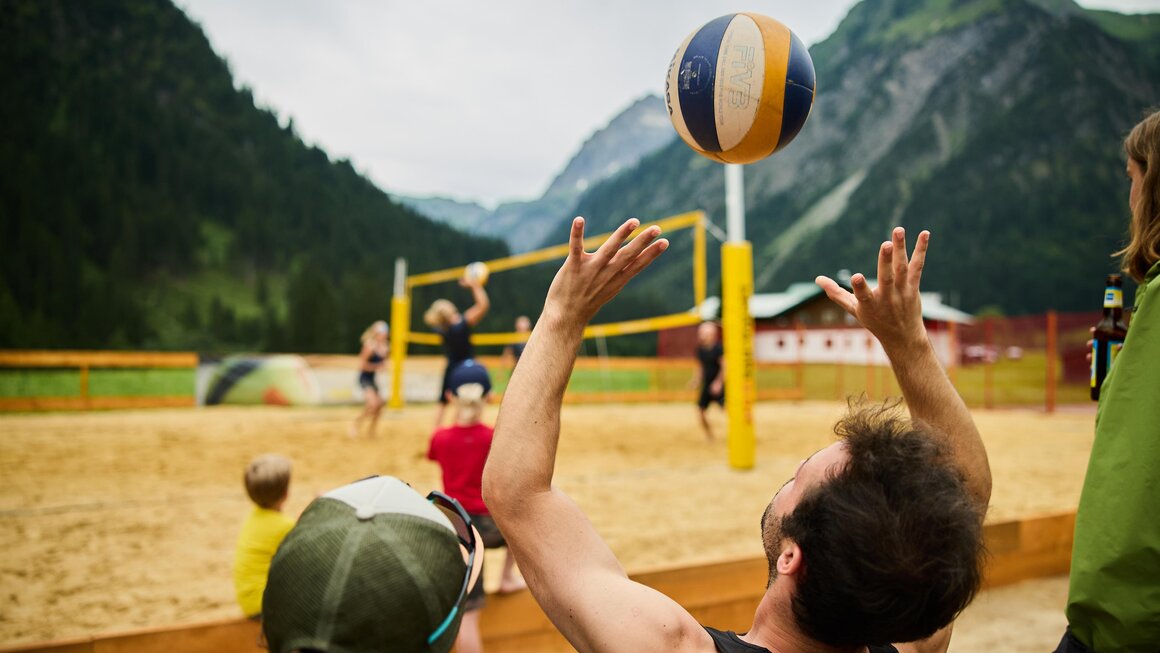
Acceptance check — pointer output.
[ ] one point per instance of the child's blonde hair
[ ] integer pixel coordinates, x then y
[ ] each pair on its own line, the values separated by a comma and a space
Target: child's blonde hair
469, 402
440, 314
267, 479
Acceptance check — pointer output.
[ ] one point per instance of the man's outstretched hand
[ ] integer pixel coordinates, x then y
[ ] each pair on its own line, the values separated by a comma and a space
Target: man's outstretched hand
892, 311
587, 281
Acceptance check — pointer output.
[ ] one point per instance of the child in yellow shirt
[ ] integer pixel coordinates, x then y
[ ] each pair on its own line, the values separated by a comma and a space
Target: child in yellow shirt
267, 480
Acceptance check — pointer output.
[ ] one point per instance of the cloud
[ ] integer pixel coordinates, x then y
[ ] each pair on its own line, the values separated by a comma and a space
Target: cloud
483, 101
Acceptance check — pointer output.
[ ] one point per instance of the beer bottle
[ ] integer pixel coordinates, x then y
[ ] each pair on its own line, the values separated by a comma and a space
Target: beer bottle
1109, 335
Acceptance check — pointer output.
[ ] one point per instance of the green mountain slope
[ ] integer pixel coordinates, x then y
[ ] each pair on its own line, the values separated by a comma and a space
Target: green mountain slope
995, 123
146, 202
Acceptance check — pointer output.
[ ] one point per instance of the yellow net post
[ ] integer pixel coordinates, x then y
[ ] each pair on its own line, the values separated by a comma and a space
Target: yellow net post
740, 370
400, 332
736, 289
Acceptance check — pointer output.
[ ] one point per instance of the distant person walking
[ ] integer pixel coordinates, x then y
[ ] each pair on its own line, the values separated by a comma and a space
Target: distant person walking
1113, 602
371, 358
455, 329
512, 352
712, 373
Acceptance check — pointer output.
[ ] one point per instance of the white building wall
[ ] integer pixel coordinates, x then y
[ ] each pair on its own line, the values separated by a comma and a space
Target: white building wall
846, 346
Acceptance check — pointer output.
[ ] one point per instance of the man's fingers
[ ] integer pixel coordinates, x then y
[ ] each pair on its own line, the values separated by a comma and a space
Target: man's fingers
898, 240
612, 245
576, 239
886, 264
918, 260
636, 245
646, 257
862, 290
836, 293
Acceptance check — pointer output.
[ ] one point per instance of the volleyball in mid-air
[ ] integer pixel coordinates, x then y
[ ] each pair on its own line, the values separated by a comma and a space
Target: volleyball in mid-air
740, 88
476, 271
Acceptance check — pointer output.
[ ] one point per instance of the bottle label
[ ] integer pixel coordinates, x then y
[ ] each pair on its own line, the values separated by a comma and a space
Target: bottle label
1113, 297
1113, 350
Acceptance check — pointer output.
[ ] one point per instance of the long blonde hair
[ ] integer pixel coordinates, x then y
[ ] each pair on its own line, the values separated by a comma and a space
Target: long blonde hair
1143, 249
440, 314
377, 325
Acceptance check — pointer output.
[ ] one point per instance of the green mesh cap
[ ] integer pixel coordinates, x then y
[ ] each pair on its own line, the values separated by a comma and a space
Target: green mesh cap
371, 567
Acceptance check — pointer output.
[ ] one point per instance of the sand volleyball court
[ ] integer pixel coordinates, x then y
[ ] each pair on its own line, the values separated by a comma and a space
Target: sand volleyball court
122, 520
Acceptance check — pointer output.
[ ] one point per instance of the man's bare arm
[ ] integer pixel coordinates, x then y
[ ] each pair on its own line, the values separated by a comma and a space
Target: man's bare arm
893, 313
569, 568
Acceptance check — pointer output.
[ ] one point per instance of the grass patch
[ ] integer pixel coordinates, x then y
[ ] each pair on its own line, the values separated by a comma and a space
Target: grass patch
154, 382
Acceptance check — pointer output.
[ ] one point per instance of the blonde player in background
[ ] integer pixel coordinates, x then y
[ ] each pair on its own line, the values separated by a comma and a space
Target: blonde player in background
455, 329
373, 355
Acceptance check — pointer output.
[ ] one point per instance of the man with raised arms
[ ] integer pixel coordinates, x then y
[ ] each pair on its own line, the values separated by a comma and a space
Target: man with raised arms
875, 544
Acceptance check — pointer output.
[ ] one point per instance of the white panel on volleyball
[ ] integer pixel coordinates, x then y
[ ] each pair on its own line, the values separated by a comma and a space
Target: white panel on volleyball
845, 346
740, 79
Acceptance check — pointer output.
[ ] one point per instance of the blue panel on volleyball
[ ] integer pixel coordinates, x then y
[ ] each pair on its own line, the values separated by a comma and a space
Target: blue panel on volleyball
799, 91
697, 76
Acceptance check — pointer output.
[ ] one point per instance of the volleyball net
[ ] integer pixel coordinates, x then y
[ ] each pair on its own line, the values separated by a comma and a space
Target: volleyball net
402, 336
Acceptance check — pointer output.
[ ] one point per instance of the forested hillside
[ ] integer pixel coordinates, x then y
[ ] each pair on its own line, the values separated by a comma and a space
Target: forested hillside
146, 202
994, 123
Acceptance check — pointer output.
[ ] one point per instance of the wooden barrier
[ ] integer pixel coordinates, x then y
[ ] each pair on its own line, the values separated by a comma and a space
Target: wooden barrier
723, 594
86, 360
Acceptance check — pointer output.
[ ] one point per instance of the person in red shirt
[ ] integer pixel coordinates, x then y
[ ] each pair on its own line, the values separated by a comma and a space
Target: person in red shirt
461, 451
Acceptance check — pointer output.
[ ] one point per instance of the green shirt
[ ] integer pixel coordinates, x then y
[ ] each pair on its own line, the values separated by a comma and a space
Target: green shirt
1114, 597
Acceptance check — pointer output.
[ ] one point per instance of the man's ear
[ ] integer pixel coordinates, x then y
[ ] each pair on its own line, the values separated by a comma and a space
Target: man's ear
790, 560
450, 396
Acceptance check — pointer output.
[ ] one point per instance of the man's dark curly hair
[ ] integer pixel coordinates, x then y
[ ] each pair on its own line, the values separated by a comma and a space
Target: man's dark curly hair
892, 543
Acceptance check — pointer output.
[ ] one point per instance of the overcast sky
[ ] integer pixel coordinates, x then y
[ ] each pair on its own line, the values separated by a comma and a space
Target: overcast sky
482, 101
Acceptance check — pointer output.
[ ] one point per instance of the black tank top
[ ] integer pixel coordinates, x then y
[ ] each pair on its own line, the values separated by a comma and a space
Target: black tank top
457, 343
729, 642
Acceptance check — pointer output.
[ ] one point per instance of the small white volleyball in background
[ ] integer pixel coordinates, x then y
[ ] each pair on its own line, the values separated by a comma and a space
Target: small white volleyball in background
476, 271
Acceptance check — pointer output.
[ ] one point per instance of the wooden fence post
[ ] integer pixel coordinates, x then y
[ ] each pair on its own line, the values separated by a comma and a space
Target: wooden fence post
988, 363
1052, 354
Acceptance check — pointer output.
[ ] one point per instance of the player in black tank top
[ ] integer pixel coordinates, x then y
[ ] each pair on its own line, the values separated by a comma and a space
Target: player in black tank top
709, 353
455, 330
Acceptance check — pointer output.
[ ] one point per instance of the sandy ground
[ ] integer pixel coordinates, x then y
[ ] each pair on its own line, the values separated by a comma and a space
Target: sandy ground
113, 521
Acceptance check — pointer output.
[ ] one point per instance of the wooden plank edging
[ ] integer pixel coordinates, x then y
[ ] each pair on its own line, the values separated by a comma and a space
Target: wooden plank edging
724, 594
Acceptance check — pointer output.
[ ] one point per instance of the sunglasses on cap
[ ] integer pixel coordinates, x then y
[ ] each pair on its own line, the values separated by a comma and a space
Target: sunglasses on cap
461, 521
